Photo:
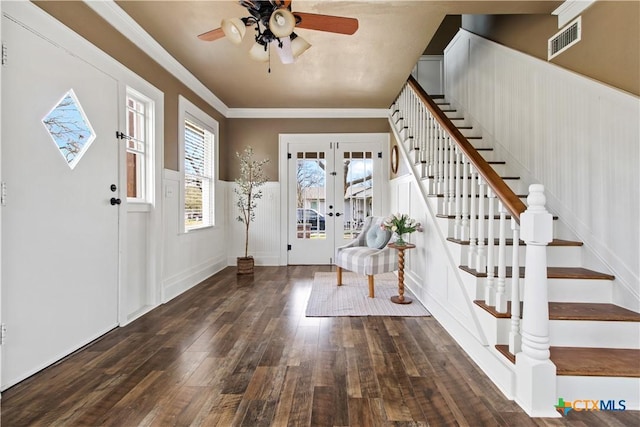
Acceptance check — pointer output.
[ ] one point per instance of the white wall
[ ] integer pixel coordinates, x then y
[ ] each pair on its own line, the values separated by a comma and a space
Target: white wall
429, 72
577, 137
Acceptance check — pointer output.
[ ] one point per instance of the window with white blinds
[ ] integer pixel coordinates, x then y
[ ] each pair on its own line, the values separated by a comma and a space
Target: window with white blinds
198, 175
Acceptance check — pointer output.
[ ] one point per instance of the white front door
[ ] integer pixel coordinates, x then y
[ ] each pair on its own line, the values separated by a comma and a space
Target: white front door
59, 226
334, 183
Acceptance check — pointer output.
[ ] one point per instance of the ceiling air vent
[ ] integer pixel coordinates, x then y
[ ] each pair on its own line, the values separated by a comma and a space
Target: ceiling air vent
565, 38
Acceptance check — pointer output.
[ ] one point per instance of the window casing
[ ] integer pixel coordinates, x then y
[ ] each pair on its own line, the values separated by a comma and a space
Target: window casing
198, 159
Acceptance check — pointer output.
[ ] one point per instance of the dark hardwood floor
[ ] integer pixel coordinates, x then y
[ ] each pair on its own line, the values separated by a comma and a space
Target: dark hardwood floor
238, 351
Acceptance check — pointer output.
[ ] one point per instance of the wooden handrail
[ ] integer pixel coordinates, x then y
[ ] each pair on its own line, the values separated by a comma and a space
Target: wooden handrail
509, 199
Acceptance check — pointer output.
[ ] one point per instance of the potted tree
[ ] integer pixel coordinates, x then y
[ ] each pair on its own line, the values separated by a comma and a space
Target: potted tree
248, 191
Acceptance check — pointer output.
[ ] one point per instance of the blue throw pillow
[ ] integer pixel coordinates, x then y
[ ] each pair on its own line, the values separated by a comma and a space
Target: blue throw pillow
377, 237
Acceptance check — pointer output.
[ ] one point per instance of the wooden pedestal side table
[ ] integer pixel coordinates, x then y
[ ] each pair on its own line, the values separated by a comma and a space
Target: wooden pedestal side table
400, 298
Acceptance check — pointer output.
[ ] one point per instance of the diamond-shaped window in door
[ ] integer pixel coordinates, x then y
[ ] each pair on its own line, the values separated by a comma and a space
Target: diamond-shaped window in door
69, 128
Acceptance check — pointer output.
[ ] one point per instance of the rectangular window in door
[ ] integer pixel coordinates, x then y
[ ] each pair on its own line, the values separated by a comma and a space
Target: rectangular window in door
357, 180
311, 195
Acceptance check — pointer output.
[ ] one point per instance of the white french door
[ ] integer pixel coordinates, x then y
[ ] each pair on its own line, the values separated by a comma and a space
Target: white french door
60, 217
334, 183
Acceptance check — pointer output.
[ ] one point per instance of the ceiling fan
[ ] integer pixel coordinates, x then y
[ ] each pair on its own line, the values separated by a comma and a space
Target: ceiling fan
274, 25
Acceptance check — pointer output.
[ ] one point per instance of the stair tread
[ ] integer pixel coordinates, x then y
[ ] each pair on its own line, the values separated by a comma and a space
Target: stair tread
552, 273
590, 362
555, 217
554, 242
503, 177
575, 311
521, 196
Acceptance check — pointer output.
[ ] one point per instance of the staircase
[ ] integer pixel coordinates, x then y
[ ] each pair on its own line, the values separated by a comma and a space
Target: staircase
591, 345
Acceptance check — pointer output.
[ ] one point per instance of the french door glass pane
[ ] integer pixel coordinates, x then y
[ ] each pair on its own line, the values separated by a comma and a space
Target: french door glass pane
311, 195
358, 190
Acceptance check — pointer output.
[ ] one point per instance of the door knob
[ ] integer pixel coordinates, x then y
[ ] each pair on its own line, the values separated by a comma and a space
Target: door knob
338, 214
330, 214
115, 201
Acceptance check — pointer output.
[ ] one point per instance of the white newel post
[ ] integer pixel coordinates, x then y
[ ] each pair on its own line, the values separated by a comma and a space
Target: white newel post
535, 373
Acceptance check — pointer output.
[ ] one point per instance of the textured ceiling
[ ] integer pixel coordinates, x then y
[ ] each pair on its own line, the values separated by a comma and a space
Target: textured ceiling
364, 70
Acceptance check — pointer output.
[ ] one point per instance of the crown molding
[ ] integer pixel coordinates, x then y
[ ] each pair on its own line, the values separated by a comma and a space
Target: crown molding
307, 113
118, 18
570, 9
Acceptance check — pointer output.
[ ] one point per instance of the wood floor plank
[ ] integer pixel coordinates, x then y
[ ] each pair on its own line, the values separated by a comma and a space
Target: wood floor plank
238, 351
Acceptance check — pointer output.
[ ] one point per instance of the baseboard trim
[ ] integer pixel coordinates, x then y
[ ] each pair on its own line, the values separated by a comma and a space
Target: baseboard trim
184, 281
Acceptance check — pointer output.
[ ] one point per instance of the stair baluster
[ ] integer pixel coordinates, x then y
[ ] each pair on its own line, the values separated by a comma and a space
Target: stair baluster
424, 152
440, 160
473, 219
515, 339
432, 154
451, 190
445, 178
457, 233
501, 298
489, 290
481, 257
464, 228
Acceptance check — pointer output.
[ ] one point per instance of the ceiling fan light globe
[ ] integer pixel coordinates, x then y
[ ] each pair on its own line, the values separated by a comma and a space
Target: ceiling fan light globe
233, 29
282, 22
259, 53
299, 46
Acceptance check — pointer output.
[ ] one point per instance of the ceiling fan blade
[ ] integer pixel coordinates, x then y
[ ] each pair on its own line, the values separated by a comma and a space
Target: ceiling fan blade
282, 3
332, 24
212, 35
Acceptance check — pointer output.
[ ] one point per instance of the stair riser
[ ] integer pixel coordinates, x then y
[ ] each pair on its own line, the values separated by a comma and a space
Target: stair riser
557, 256
572, 388
572, 333
585, 333
577, 290
559, 290
470, 132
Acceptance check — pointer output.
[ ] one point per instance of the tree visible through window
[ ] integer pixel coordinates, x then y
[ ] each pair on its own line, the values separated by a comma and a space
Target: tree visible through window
198, 175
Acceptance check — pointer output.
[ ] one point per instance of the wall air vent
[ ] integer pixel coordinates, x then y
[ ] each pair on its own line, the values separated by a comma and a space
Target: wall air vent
565, 38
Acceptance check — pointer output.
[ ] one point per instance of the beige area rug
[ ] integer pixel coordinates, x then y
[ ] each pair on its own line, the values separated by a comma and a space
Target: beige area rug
352, 298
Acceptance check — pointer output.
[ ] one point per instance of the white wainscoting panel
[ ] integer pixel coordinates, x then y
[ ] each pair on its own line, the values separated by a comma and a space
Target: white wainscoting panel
189, 258
264, 232
138, 297
577, 137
